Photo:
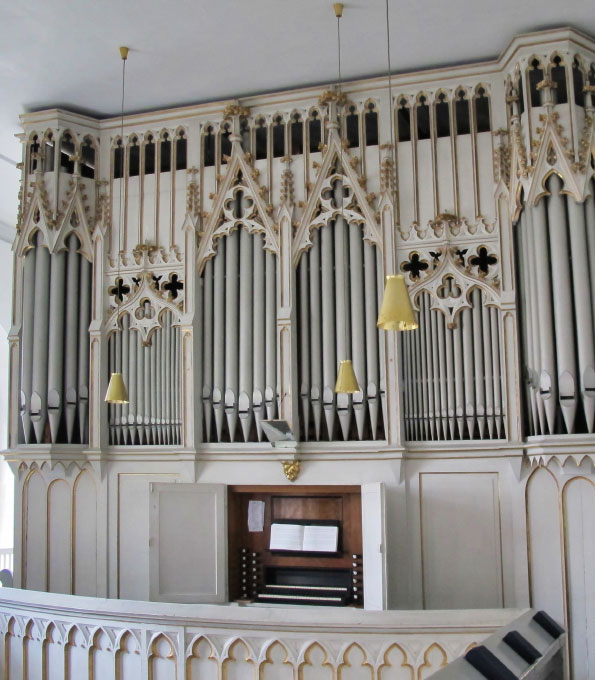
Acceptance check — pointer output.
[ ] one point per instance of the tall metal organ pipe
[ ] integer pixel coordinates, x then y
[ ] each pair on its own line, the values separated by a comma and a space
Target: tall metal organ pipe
557, 304
150, 368
240, 324
337, 298
55, 344
452, 384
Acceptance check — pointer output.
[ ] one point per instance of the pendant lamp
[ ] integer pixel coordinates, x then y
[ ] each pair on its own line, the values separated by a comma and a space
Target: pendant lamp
396, 310
346, 380
116, 390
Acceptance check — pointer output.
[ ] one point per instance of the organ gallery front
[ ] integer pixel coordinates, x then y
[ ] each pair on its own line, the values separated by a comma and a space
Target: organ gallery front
225, 257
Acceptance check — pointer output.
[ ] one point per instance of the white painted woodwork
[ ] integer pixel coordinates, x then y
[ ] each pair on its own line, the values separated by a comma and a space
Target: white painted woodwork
545, 555
188, 559
374, 545
130, 640
461, 540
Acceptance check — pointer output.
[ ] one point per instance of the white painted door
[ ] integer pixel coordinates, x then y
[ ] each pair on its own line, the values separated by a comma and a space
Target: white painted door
188, 543
374, 545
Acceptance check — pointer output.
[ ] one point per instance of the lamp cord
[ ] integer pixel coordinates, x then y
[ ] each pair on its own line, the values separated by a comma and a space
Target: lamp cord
121, 207
390, 104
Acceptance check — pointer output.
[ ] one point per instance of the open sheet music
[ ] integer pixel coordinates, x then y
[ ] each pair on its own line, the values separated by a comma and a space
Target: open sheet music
304, 537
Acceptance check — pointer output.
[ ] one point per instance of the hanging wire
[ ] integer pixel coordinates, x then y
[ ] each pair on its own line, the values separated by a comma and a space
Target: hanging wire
390, 101
121, 207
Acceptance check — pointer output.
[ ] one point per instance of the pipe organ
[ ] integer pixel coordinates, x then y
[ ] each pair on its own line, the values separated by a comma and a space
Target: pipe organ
452, 372
556, 273
151, 370
55, 346
338, 288
239, 319
226, 256
239, 251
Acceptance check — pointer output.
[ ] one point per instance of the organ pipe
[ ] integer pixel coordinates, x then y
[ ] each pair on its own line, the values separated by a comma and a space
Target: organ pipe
557, 288
562, 297
40, 343
452, 381
151, 370
240, 303
55, 344
315, 338
333, 326
258, 345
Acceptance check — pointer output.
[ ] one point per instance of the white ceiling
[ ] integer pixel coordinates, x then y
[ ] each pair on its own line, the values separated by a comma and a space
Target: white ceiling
65, 52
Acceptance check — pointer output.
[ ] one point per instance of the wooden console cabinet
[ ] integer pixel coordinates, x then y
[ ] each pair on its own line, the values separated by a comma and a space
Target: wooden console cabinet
257, 574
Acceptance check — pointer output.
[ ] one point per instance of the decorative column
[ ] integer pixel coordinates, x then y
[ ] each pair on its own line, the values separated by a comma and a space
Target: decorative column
286, 323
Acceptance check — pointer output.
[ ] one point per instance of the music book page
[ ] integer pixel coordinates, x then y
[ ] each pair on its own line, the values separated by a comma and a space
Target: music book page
287, 537
320, 538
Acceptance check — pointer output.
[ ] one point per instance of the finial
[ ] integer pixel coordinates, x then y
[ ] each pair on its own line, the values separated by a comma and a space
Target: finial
124, 53
338, 7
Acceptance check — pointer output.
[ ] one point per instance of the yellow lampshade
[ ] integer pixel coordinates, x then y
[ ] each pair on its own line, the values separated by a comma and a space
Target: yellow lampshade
346, 380
116, 390
396, 311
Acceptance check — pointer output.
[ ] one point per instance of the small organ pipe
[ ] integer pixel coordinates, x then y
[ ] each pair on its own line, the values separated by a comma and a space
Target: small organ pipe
489, 369
40, 343
246, 318
155, 395
83, 346
72, 293
372, 372
358, 322
416, 387
159, 386
342, 312
148, 392
56, 343
547, 378
271, 334
316, 382
207, 344
219, 335
304, 307
118, 366
582, 301
125, 368
456, 412
259, 345
467, 333
498, 407
445, 376
532, 339
112, 409
434, 351
430, 366
421, 340
231, 332
562, 297
478, 362
140, 391
380, 335
132, 406
329, 361
27, 339
167, 377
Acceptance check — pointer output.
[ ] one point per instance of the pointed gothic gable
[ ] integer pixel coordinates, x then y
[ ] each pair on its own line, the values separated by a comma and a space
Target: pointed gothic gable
38, 217
75, 220
319, 209
239, 191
